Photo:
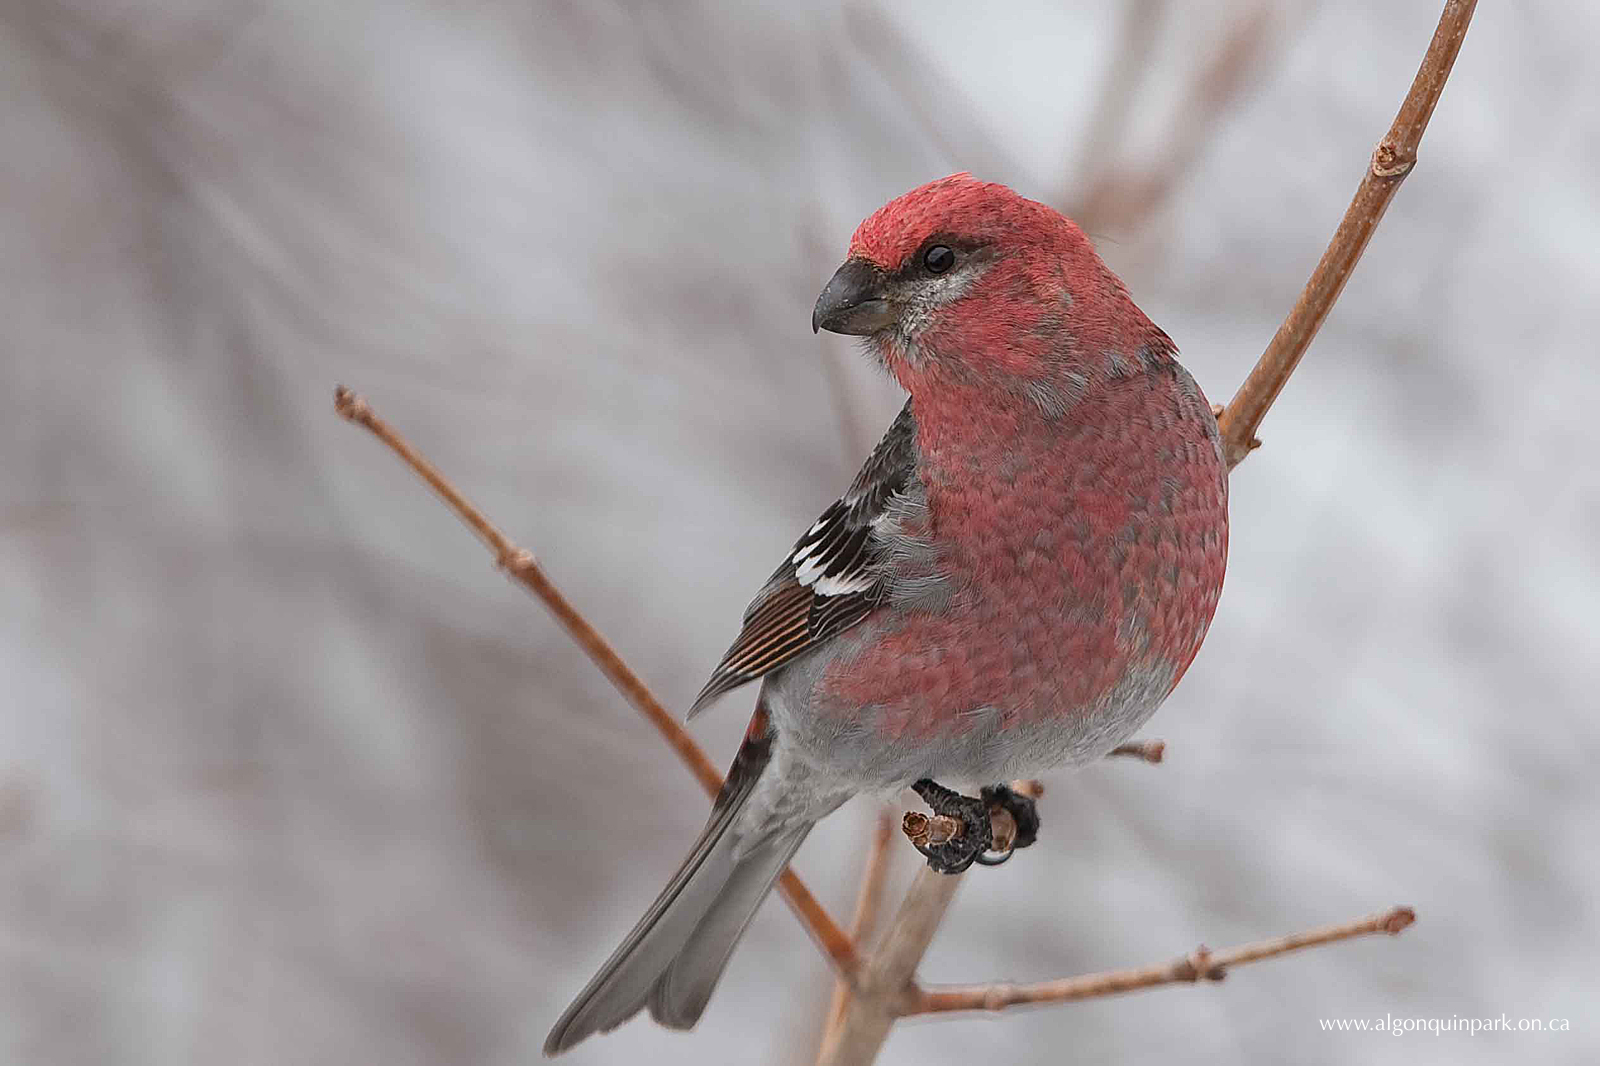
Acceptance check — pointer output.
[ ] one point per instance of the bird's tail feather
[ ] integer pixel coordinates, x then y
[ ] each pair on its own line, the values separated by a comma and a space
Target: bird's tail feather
679, 996
674, 957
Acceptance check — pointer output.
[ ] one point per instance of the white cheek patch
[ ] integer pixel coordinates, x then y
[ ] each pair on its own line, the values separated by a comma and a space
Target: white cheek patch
928, 295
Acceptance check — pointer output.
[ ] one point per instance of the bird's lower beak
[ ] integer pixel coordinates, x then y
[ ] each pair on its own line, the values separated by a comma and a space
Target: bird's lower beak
854, 301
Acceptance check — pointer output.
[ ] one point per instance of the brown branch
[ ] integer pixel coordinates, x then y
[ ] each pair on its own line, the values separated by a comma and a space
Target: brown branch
1151, 751
1201, 965
1391, 161
869, 905
522, 566
930, 830
869, 901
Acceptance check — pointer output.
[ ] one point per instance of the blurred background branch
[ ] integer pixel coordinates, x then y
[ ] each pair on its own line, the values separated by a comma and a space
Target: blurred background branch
1114, 196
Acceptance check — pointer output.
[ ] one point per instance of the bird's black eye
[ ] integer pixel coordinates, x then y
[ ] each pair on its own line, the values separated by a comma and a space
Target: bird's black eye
938, 259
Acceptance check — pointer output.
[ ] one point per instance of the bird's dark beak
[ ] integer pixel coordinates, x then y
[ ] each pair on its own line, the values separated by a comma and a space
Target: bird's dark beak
854, 301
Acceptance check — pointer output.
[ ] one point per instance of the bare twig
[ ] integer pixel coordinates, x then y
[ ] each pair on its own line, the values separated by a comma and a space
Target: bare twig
1391, 161
1152, 751
520, 564
869, 905
930, 830
1201, 965
869, 901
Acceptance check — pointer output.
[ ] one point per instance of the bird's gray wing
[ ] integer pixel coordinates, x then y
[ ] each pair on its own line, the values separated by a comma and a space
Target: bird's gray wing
832, 579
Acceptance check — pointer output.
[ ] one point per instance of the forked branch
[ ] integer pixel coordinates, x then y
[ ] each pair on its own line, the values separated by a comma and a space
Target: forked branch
1116, 196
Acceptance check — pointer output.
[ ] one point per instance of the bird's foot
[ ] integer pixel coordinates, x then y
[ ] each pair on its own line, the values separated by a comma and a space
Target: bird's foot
955, 854
968, 832
1024, 813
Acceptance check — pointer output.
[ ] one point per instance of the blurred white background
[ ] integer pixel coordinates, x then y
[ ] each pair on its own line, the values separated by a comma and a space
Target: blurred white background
290, 774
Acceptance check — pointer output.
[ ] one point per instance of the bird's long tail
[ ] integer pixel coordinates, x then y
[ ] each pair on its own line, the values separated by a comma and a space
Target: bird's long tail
674, 957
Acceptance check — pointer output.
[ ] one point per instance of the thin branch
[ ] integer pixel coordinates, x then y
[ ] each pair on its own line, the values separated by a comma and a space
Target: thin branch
1151, 751
521, 565
869, 905
1201, 965
869, 901
1391, 161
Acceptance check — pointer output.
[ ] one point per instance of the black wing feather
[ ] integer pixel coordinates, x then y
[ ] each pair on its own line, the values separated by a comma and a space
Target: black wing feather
831, 580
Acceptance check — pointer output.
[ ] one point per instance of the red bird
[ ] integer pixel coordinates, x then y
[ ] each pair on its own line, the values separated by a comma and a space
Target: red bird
1020, 574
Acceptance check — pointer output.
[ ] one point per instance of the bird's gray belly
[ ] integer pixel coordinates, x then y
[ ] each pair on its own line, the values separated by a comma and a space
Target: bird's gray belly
848, 747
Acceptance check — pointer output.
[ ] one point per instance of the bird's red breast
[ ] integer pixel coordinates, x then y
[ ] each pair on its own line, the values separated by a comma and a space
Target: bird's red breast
1085, 554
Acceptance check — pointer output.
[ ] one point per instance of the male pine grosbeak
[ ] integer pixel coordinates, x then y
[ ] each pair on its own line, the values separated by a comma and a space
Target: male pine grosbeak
1019, 575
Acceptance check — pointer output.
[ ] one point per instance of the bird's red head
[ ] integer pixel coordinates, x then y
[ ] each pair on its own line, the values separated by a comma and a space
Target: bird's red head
959, 207
962, 278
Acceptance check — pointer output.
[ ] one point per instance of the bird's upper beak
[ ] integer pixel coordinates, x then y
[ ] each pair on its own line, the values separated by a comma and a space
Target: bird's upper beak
854, 301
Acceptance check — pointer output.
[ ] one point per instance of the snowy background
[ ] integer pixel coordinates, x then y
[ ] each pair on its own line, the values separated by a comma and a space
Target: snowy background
290, 774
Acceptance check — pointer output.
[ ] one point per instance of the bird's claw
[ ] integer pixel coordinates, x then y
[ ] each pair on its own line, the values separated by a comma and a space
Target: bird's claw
977, 836
1023, 810
999, 858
